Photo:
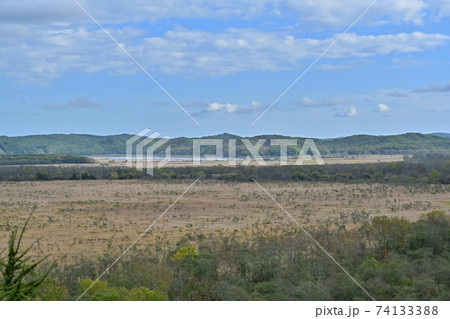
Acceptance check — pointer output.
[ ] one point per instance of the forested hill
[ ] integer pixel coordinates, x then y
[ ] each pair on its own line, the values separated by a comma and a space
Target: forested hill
81, 144
446, 135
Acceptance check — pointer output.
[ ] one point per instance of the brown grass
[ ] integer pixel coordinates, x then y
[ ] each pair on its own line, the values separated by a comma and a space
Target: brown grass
89, 218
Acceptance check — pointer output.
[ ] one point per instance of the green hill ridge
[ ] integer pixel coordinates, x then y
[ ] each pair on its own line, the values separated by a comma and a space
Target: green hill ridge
92, 145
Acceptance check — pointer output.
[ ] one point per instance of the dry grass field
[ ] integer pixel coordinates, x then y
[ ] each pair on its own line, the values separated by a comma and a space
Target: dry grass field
75, 219
351, 159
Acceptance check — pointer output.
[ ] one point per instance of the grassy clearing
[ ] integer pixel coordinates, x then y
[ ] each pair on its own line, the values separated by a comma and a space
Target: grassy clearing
86, 218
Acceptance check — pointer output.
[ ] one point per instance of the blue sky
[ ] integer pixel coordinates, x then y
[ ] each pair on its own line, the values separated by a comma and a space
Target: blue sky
225, 62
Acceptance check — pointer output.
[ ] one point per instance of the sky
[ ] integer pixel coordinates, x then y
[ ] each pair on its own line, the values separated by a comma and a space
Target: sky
205, 67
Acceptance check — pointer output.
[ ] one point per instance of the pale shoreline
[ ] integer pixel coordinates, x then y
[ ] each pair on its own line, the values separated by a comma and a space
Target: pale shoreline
356, 159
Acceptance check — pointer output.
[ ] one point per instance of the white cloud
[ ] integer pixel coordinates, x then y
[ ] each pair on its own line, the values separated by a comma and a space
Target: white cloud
382, 108
218, 107
371, 45
231, 108
439, 8
40, 54
308, 102
39, 12
119, 11
338, 13
323, 13
350, 112
47, 38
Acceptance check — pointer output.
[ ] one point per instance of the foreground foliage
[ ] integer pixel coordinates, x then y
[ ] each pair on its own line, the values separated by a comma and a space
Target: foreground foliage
100, 291
18, 279
392, 258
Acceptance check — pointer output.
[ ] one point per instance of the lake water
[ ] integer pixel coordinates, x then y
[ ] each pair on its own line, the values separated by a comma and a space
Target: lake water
158, 158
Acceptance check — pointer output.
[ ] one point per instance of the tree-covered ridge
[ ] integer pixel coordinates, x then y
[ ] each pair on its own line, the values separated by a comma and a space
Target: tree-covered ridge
32, 159
82, 144
76, 144
446, 135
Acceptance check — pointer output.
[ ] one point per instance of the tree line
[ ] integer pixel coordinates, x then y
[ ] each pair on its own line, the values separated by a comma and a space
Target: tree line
42, 159
391, 257
417, 169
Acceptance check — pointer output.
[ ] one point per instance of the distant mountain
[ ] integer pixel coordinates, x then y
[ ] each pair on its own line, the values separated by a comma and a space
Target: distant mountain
446, 135
76, 144
82, 144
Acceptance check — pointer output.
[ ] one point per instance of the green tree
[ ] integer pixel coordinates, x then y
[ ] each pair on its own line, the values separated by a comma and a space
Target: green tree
431, 231
145, 294
185, 253
18, 277
100, 291
434, 176
386, 234
51, 290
